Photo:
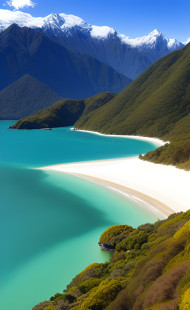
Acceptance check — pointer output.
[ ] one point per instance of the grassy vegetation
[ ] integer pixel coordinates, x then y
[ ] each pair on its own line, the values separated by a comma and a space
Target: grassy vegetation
150, 269
153, 104
60, 114
157, 104
176, 153
63, 113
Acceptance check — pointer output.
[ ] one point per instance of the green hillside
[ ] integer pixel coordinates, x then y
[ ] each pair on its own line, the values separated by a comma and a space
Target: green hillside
63, 113
25, 97
150, 269
175, 153
157, 104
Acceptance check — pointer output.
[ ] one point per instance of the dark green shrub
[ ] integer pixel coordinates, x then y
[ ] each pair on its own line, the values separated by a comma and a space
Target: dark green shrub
115, 233
134, 241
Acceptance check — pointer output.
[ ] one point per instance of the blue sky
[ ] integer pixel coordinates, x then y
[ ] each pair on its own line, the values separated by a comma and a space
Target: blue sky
131, 17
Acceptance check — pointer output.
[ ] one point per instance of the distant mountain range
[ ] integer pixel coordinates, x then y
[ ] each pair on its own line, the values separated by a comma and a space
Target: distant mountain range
29, 51
70, 57
127, 56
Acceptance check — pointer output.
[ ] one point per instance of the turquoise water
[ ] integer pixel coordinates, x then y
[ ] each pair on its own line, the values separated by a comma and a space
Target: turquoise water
50, 222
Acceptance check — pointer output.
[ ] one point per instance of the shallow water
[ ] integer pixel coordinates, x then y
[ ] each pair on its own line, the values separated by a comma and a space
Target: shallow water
50, 222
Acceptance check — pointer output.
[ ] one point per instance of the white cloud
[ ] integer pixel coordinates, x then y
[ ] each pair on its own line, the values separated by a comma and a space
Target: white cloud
19, 4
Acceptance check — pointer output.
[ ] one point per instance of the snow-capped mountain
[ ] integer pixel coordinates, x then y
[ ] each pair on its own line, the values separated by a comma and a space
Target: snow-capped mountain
151, 40
54, 21
187, 41
128, 56
25, 50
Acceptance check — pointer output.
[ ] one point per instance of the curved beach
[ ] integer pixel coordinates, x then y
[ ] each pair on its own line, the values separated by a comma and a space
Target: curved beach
157, 142
160, 187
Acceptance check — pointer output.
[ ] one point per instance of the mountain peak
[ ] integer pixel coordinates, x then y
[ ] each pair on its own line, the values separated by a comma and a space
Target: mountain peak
155, 32
72, 20
148, 40
64, 21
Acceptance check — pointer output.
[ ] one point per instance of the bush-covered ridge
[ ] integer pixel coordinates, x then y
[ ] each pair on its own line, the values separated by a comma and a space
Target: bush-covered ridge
63, 113
157, 104
176, 154
150, 269
152, 105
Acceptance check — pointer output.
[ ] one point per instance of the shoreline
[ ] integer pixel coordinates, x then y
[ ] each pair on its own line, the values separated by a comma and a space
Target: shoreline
157, 187
162, 189
157, 142
141, 199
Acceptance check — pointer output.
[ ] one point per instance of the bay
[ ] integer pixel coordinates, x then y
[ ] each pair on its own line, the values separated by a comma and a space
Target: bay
50, 222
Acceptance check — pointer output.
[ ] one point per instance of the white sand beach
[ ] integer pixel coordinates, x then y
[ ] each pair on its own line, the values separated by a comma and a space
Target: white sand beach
160, 187
165, 188
157, 142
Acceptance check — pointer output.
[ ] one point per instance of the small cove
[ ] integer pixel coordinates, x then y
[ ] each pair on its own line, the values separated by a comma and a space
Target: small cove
51, 222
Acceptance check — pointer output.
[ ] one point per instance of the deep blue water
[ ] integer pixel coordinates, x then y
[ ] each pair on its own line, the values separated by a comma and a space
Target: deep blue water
50, 222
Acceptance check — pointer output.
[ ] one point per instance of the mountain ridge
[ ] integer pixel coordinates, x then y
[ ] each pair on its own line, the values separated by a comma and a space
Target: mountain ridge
127, 56
29, 51
25, 96
63, 113
63, 21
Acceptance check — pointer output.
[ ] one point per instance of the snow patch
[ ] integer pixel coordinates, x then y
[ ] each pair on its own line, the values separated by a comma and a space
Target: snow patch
173, 44
186, 42
101, 32
72, 21
140, 41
